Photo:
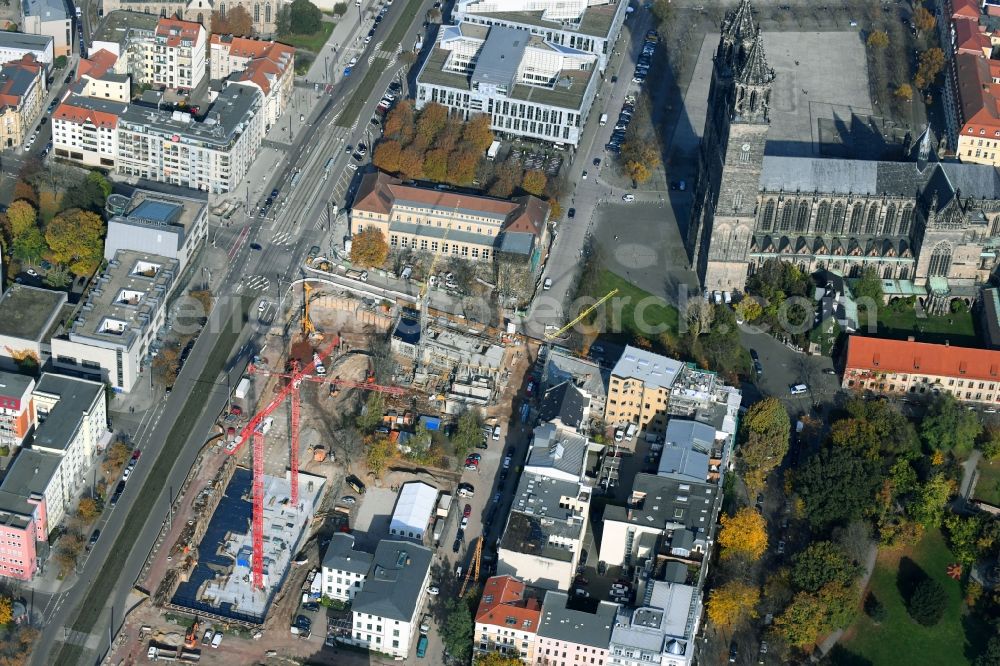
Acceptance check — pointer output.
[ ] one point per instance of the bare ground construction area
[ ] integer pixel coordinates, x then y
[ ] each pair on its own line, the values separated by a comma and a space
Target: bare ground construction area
198, 579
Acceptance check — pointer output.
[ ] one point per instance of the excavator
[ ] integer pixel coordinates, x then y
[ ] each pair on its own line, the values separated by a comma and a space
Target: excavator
191, 637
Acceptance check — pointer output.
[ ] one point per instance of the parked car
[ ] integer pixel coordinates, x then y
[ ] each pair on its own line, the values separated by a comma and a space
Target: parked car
348, 499
496, 433
467, 511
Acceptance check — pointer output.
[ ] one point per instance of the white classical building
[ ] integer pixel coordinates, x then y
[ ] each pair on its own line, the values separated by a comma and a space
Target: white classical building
385, 613
16, 45
529, 87
661, 632
344, 568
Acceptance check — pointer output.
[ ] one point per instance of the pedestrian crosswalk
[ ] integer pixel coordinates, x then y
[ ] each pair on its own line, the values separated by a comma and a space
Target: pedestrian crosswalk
281, 238
255, 283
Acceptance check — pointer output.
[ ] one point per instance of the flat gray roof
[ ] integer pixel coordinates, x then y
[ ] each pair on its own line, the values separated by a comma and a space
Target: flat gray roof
686, 450
118, 24
595, 21
48, 10
574, 626
654, 503
21, 40
500, 56
124, 298
75, 398
30, 473
15, 510
27, 312
654, 370
395, 580
13, 385
340, 555
223, 123
557, 449
565, 95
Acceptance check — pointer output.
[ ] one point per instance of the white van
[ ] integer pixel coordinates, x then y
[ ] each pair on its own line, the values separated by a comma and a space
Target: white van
798, 389
265, 425
604, 119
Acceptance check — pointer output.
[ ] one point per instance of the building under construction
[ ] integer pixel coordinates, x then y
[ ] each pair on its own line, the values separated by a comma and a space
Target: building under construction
221, 583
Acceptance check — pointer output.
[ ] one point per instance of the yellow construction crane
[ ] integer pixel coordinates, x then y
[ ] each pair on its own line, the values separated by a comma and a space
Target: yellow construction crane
473, 572
553, 336
308, 330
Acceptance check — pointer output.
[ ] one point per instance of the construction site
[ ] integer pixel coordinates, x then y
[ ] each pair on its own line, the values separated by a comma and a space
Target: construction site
282, 471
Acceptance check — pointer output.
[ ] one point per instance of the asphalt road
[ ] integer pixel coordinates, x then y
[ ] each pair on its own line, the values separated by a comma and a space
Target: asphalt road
284, 242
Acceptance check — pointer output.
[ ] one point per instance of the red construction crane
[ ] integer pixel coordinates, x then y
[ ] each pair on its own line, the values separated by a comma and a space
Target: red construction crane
251, 430
289, 390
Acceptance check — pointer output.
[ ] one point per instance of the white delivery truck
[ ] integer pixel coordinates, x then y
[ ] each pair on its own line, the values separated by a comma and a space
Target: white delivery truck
604, 119
491, 154
242, 389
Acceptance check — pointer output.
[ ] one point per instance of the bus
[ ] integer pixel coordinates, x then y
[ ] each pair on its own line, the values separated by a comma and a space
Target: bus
422, 646
295, 178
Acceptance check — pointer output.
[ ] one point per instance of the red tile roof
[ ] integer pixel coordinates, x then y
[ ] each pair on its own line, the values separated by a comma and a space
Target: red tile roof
965, 9
80, 116
8, 96
970, 39
503, 598
176, 30
97, 64
901, 356
269, 67
378, 191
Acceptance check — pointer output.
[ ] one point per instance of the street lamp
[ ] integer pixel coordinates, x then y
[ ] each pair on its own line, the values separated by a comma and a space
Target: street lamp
360, 17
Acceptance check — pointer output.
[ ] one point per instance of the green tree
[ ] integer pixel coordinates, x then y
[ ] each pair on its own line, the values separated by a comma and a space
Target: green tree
904, 91
496, 659
5, 610
29, 246
947, 426
931, 64
765, 431
923, 19
533, 182
380, 452
436, 165
456, 632
90, 193
991, 655
821, 563
836, 486
369, 248
810, 615
386, 156
304, 18
371, 414
749, 309
963, 536
927, 508
927, 602
468, 432
75, 239
875, 609
400, 124
990, 444
869, 285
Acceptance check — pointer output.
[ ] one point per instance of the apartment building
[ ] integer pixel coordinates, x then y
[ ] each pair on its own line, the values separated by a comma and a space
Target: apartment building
660, 631
543, 538
563, 367
266, 64
97, 78
41, 485
165, 225
385, 613
49, 18
17, 409
29, 316
529, 87
109, 339
558, 452
507, 619
16, 45
900, 367
22, 525
571, 636
442, 222
588, 26
122, 33
85, 130
639, 389
211, 155
176, 56
22, 98
344, 569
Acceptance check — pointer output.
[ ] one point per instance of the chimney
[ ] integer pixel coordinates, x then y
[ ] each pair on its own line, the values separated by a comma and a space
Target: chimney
910, 338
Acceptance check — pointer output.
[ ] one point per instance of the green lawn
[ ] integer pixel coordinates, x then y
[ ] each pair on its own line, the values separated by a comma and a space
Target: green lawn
988, 486
313, 42
653, 316
955, 328
362, 94
899, 639
399, 28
